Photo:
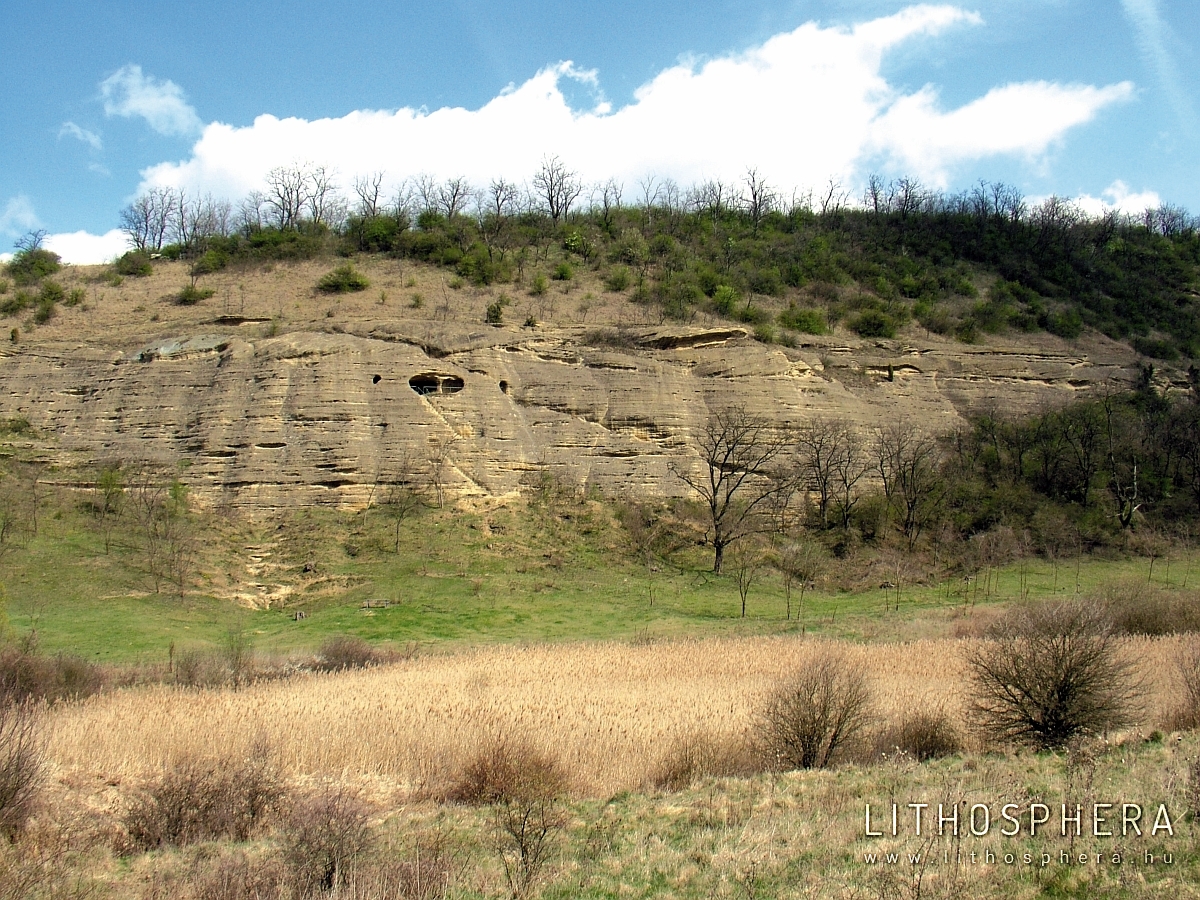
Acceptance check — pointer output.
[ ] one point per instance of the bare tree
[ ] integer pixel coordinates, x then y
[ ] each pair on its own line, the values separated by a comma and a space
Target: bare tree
400, 500
819, 710
747, 566
758, 197
451, 196
369, 190
494, 208
738, 477
287, 195
799, 564
324, 204
147, 219
425, 191
833, 461
907, 462
610, 200
557, 188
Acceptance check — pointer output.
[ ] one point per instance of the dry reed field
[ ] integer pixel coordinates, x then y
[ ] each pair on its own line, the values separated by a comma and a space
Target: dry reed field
607, 712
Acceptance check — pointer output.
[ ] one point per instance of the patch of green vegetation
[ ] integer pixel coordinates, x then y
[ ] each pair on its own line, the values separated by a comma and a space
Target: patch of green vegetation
344, 279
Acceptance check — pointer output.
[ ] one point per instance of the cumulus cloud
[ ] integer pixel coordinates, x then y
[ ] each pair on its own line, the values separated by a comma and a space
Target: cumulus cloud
18, 217
1119, 198
130, 93
803, 107
70, 129
80, 248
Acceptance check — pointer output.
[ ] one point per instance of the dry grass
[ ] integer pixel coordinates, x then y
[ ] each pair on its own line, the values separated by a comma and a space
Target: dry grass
607, 711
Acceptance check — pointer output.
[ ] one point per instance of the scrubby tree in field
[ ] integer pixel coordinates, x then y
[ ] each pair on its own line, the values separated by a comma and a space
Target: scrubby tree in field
557, 188
833, 461
1050, 672
739, 474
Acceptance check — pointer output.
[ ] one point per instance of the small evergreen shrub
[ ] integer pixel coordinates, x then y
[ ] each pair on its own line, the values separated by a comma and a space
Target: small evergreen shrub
343, 280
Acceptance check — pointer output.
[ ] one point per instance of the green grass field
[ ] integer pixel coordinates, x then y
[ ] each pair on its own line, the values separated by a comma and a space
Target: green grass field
520, 572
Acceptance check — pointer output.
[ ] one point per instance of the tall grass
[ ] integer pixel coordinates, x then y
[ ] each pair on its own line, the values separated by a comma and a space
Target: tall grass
609, 711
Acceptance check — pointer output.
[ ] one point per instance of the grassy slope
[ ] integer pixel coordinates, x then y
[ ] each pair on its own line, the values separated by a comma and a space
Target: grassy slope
513, 573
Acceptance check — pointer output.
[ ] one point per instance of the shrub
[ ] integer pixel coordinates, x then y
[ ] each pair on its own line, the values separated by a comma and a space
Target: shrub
191, 295
816, 713
563, 272
31, 265
494, 314
1051, 671
135, 263
803, 319
324, 835
873, 323
345, 651
19, 301
725, 299
507, 769
539, 285
695, 755
923, 735
204, 799
3, 286
1187, 672
21, 766
27, 675
617, 279
342, 280
1137, 608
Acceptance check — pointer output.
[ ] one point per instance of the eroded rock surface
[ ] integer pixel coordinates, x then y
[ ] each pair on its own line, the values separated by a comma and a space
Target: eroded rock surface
311, 417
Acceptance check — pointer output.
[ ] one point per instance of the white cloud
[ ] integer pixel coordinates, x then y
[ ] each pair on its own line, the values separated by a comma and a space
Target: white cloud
83, 249
70, 129
128, 93
18, 216
1151, 33
1017, 120
1117, 196
803, 107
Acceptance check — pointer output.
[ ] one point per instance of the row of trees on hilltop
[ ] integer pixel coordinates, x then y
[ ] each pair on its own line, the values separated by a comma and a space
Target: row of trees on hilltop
981, 261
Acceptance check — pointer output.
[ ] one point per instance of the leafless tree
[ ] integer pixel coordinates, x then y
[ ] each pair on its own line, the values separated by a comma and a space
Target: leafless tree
833, 461
425, 192
907, 461
451, 196
401, 497
369, 190
147, 219
834, 198
738, 476
610, 200
799, 565
250, 216
494, 209
758, 198
287, 195
747, 566
557, 188
324, 204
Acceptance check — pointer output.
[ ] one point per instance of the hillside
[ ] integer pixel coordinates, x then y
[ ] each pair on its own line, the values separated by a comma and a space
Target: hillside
277, 395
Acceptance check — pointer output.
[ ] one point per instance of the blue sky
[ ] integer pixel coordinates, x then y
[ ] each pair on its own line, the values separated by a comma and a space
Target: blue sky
1094, 100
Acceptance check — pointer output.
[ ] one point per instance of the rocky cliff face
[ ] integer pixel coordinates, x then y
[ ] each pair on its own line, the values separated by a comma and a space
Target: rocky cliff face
322, 414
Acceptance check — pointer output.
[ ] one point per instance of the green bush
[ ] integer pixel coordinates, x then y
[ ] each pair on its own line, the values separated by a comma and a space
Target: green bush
75, 297
873, 323
803, 319
539, 285
563, 272
342, 280
191, 295
135, 263
726, 299
30, 266
494, 314
617, 279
